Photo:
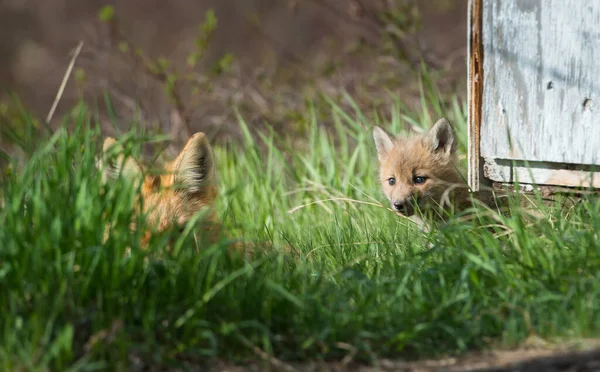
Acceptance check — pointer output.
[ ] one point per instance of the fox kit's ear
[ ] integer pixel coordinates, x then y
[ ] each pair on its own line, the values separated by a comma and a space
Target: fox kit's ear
112, 167
383, 142
194, 168
441, 137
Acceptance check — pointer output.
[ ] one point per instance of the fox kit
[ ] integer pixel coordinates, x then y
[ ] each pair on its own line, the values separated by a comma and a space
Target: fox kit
420, 170
187, 185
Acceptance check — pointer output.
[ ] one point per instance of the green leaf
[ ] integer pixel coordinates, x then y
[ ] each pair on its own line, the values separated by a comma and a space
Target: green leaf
107, 13
210, 21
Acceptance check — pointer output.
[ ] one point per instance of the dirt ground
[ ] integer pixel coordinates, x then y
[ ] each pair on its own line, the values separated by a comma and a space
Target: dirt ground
565, 358
284, 53
494, 362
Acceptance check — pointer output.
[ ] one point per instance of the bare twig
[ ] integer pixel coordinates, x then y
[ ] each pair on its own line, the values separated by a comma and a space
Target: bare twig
160, 75
63, 84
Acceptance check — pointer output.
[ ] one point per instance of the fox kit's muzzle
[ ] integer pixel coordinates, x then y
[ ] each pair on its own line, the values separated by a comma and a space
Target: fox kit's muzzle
404, 206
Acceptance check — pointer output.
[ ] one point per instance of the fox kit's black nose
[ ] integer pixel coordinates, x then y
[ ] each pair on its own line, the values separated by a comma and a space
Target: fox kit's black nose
399, 205
404, 207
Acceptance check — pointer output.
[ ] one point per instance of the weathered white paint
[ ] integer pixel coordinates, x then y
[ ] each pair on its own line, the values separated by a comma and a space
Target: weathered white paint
541, 174
542, 80
541, 89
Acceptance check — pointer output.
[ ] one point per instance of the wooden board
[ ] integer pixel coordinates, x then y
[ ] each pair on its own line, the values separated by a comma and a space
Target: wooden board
541, 173
475, 73
540, 95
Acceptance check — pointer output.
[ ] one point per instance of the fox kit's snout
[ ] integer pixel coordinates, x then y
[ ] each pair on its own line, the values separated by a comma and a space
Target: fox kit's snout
418, 171
185, 186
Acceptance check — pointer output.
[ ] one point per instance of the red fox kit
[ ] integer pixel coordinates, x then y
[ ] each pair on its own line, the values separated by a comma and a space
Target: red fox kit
187, 185
420, 171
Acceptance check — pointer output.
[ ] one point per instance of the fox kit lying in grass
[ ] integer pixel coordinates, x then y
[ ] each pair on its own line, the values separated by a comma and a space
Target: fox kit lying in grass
420, 171
187, 185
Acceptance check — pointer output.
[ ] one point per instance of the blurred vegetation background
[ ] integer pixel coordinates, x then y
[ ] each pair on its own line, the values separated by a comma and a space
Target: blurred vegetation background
177, 67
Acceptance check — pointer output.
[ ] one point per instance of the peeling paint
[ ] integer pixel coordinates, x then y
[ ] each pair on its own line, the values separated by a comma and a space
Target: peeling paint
541, 173
541, 82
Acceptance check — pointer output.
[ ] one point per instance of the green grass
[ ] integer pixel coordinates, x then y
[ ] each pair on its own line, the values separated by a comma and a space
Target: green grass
363, 282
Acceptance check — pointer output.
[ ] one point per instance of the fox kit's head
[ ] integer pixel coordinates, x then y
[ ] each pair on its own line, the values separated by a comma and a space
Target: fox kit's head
172, 197
417, 170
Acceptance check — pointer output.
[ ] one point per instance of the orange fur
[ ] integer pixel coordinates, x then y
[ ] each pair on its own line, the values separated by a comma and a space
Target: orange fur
431, 158
186, 186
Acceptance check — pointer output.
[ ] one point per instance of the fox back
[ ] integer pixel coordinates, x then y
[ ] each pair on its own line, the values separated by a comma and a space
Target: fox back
420, 171
186, 185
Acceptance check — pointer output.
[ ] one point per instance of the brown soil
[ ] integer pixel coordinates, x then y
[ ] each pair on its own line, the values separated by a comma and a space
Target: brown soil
586, 358
284, 52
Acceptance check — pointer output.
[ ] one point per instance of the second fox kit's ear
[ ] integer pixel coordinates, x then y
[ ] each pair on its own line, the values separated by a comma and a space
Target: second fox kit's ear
441, 137
194, 167
383, 142
112, 167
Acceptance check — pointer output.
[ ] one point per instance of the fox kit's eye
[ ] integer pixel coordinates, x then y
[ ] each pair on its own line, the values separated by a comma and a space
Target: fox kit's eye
419, 179
392, 181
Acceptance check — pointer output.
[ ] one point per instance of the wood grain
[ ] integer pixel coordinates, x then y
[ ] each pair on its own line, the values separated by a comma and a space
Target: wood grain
541, 99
